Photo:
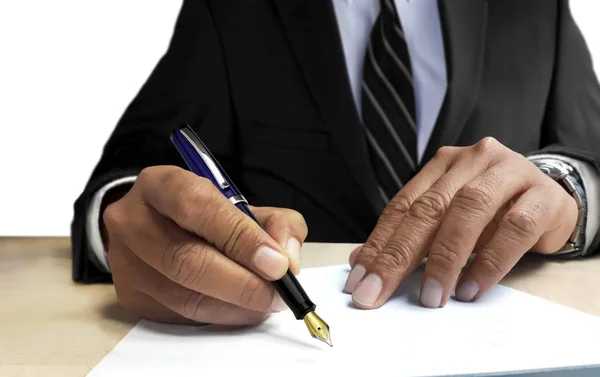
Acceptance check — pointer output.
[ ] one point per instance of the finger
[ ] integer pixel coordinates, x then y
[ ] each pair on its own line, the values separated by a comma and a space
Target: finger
126, 274
517, 232
191, 262
193, 305
287, 227
196, 205
491, 228
567, 212
394, 212
147, 307
471, 210
122, 259
409, 243
205, 309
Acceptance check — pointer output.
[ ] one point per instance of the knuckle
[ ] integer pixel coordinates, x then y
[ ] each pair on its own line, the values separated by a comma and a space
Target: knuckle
113, 217
289, 214
520, 223
145, 176
491, 263
241, 239
186, 263
445, 153
476, 198
153, 175
294, 219
194, 200
369, 251
271, 214
444, 257
210, 311
486, 144
166, 172
430, 206
399, 205
397, 257
192, 306
251, 294
374, 244
233, 236
539, 208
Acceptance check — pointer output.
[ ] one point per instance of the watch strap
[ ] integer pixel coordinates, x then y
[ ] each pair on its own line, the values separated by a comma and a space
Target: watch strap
568, 178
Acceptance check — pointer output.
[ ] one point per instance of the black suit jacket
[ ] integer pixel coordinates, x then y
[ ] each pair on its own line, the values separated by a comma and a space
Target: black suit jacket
264, 83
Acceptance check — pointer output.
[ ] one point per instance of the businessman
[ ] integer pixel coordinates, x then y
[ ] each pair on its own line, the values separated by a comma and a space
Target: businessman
418, 128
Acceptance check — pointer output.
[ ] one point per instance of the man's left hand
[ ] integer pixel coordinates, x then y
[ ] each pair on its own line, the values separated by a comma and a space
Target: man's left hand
484, 198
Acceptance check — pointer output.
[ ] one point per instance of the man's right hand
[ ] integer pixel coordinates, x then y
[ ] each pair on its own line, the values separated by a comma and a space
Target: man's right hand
180, 252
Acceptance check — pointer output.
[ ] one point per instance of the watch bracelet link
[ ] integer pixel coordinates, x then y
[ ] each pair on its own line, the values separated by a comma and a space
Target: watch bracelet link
568, 178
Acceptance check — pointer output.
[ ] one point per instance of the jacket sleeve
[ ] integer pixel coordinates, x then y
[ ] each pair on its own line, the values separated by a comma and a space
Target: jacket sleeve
572, 122
188, 85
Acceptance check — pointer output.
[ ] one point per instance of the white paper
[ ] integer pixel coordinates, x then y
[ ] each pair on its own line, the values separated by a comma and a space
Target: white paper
506, 330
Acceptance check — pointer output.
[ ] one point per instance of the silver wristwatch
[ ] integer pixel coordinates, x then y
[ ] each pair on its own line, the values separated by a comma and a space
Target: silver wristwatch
569, 179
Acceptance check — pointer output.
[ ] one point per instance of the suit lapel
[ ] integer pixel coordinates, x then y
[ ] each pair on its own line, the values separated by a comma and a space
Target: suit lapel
313, 32
463, 25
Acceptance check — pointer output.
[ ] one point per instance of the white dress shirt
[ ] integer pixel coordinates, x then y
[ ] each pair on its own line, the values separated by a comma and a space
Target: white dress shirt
421, 23
422, 28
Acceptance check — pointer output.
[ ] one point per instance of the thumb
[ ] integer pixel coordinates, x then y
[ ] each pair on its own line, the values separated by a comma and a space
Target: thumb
287, 227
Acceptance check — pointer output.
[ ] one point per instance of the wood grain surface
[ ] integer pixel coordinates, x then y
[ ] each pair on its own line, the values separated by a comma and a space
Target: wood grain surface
50, 326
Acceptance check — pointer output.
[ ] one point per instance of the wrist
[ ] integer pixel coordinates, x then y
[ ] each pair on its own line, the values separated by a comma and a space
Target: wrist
568, 178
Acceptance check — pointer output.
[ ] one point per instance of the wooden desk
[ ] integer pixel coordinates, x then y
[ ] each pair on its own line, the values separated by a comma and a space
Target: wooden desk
50, 326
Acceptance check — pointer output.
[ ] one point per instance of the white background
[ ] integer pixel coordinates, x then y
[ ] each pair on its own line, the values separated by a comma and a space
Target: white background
68, 69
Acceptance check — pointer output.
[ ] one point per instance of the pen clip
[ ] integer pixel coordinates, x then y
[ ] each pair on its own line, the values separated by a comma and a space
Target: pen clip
205, 156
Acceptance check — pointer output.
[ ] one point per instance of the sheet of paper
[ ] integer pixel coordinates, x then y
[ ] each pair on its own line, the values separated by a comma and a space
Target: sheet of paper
507, 330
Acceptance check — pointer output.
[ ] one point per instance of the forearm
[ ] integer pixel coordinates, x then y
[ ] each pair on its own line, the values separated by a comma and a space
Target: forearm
188, 86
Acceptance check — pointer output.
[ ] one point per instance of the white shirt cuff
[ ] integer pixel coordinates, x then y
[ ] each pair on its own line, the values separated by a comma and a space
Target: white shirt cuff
92, 226
591, 184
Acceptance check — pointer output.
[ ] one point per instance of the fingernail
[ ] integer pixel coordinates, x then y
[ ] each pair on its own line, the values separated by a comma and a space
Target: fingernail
354, 277
293, 247
467, 291
431, 294
368, 290
278, 305
270, 262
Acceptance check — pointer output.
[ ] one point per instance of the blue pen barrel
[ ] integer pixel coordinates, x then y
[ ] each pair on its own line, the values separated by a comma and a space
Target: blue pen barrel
201, 162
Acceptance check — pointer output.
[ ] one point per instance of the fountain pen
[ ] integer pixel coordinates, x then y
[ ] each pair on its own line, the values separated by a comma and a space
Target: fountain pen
200, 161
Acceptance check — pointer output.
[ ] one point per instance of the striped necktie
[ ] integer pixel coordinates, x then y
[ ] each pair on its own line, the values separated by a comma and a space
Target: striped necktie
388, 105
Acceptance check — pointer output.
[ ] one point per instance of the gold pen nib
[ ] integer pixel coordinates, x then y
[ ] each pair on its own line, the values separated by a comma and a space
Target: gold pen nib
318, 328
